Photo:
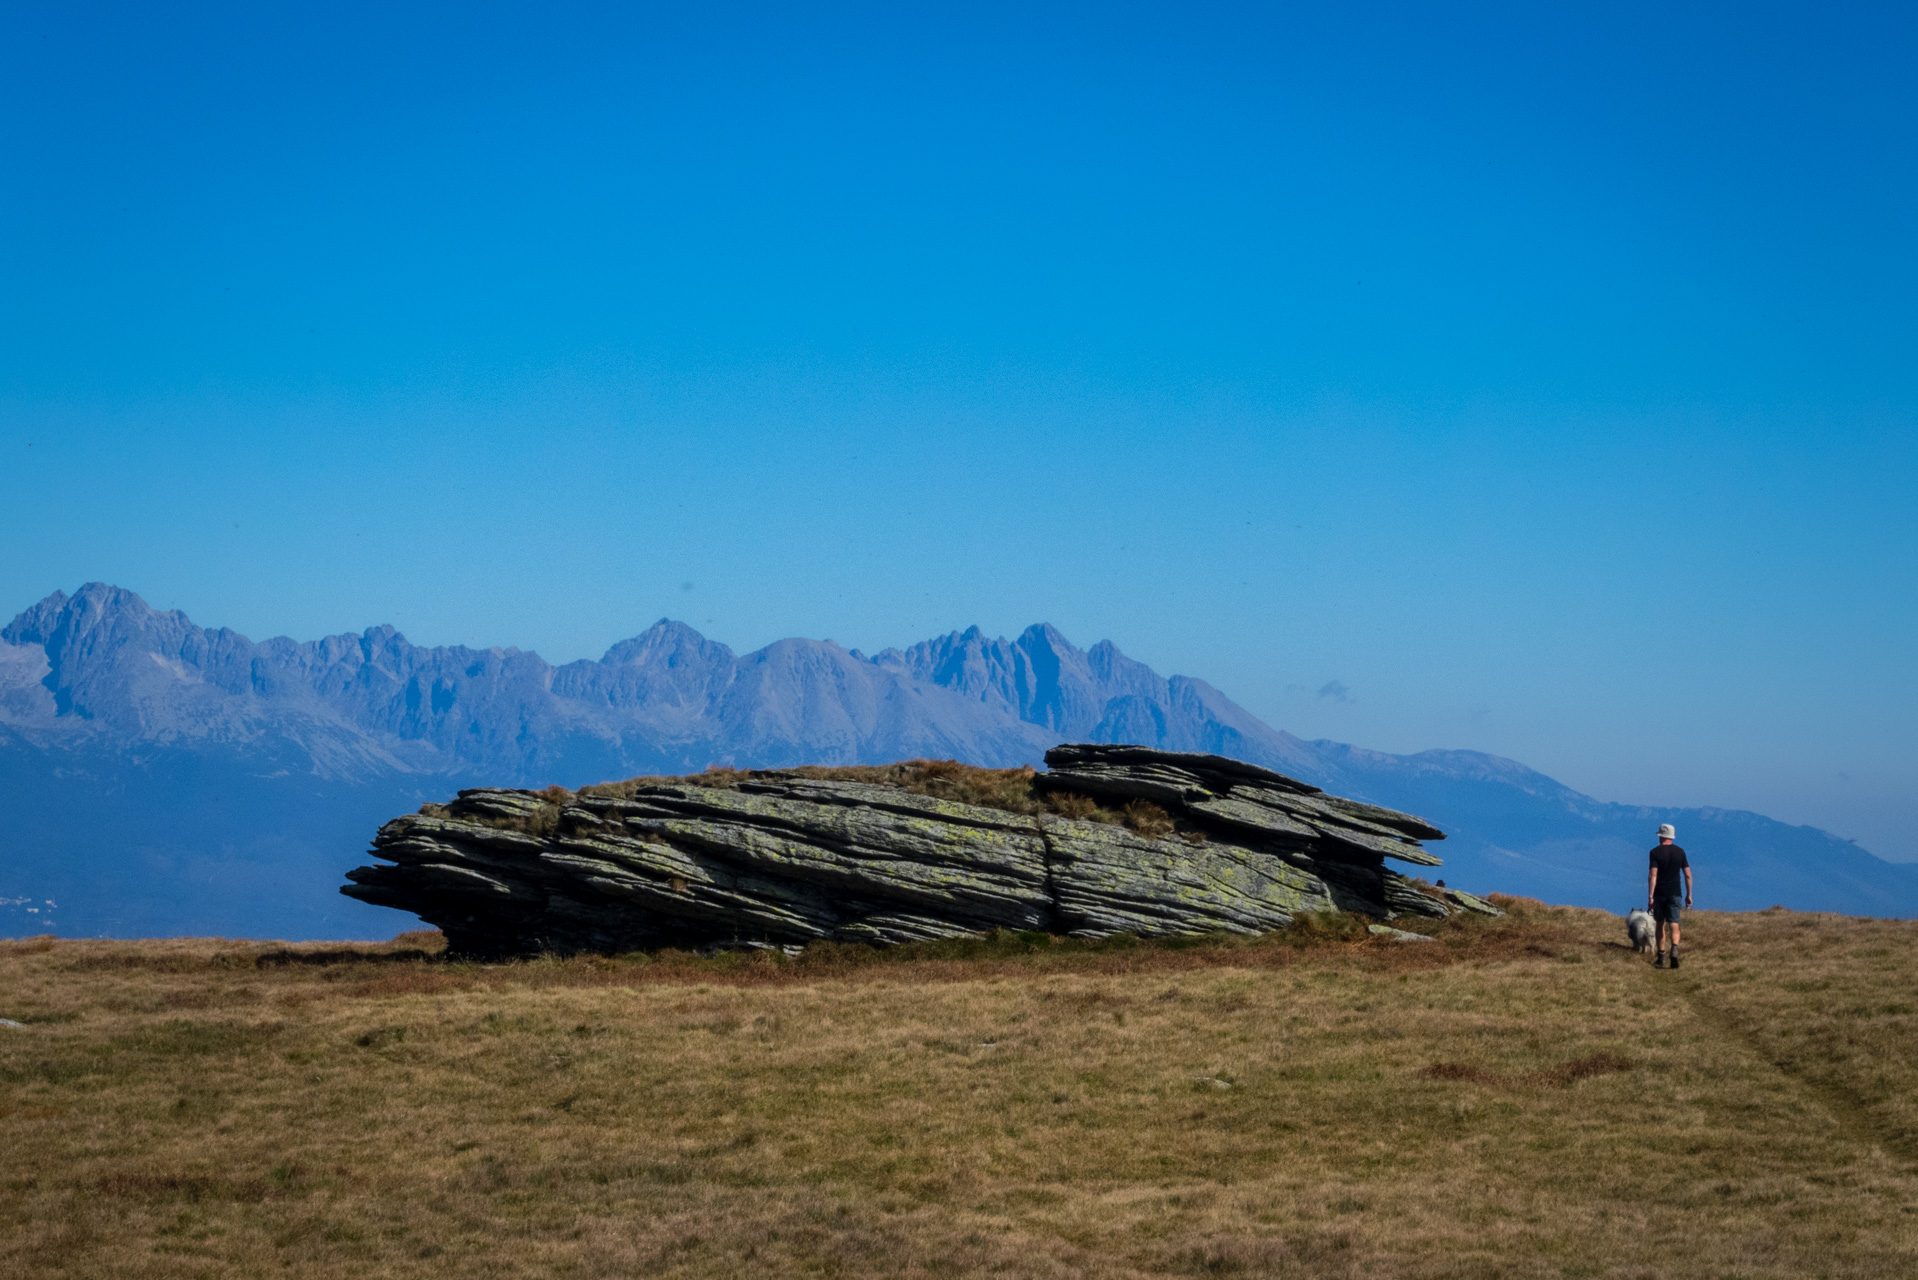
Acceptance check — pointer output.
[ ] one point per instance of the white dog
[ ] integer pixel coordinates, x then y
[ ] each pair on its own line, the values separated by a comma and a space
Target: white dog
1639, 926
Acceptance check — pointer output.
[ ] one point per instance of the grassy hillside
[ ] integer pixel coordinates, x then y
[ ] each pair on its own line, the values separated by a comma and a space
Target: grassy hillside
1522, 1098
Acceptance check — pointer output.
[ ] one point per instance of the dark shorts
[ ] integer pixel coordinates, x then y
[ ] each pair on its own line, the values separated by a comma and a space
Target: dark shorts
1665, 910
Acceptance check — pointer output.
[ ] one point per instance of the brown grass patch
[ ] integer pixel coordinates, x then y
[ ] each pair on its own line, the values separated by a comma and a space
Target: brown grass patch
189, 1187
1307, 1104
1148, 819
412, 982
1595, 1064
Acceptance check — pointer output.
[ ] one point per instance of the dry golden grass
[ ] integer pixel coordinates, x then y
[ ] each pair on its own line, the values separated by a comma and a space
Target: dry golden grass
1523, 1098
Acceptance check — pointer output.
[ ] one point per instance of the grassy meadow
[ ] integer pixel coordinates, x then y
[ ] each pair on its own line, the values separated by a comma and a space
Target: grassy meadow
1522, 1097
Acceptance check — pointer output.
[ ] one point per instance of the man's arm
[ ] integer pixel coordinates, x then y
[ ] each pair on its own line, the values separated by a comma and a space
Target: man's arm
1688, 886
1651, 884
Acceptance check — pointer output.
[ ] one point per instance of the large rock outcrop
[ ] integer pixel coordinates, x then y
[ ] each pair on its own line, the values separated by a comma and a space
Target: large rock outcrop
783, 858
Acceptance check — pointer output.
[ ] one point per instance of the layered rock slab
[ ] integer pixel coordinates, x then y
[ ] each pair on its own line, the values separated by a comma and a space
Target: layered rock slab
775, 859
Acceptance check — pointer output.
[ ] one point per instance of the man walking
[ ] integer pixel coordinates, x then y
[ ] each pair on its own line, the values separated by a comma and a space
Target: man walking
1663, 890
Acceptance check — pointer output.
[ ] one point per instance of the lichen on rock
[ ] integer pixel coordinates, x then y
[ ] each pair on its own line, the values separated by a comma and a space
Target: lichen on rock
1110, 839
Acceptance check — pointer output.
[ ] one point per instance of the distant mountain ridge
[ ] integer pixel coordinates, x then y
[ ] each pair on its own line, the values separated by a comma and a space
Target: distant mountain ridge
667, 700
222, 774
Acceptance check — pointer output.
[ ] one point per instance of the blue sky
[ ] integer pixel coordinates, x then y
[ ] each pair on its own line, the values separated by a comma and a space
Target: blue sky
1540, 382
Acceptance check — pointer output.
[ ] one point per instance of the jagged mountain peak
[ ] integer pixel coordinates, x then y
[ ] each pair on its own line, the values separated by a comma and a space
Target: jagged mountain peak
94, 605
32, 625
668, 639
100, 619
1042, 678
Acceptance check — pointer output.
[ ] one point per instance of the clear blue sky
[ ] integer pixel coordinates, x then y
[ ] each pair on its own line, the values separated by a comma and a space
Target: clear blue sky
1536, 379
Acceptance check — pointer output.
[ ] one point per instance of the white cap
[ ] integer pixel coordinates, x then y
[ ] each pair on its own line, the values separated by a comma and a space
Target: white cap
1666, 831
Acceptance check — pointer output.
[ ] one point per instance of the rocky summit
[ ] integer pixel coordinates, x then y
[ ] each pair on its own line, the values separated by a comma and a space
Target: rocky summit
1109, 839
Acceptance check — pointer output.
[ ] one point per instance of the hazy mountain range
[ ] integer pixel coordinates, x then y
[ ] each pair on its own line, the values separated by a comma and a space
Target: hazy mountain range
160, 777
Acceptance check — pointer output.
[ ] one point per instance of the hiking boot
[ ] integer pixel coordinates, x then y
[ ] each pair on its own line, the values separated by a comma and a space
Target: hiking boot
1660, 962
1674, 957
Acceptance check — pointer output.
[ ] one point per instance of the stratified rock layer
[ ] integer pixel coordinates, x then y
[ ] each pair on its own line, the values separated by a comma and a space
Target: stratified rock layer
776, 859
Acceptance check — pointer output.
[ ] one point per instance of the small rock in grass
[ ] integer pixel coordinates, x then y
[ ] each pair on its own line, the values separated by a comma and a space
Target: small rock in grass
1397, 935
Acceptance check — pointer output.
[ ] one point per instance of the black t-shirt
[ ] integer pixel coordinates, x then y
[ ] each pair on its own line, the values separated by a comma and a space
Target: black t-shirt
1668, 860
